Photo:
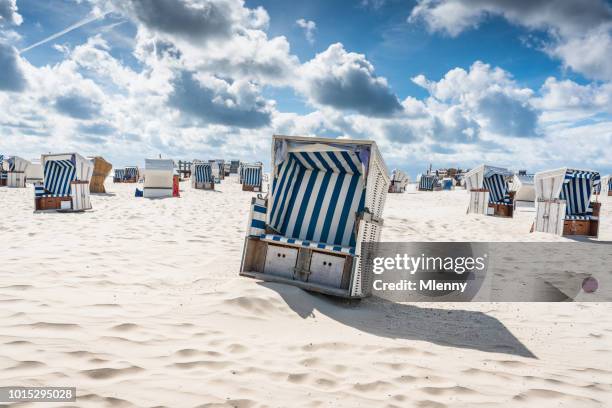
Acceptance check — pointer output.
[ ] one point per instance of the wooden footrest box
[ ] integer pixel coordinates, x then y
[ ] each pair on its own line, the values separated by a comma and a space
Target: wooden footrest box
587, 228
501, 210
52, 203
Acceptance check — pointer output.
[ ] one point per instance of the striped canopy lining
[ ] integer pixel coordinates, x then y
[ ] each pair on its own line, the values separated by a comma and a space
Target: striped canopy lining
427, 182
576, 191
203, 173
57, 176
498, 188
119, 173
131, 172
252, 176
316, 196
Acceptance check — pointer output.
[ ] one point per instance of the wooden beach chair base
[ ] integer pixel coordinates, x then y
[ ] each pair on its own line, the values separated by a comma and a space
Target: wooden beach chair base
587, 228
501, 210
2, 182
51, 203
255, 189
205, 186
312, 269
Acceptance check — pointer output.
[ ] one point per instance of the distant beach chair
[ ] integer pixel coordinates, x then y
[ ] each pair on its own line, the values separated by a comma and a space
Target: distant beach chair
522, 185
563, 202
34, 172
202, 177
131, 174
184, 169
3, 171
218, 170
158, 178
101, 170
119, 176
16, 174
326, 200
489, 191
605, 187
399, 181
428, 182
234, 166
65, 184
252, 177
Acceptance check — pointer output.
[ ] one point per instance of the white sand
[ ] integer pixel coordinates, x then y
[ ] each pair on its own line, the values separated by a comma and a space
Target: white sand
139, 303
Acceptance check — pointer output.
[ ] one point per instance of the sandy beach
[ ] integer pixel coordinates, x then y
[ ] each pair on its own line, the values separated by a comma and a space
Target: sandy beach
138, 303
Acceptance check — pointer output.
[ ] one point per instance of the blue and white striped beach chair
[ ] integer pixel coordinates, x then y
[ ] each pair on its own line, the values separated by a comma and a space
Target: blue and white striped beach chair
428, 182
65, 183
252, 176
16, 174
131, 174
564, 204
119, 176
202, 177
3, 173
489, 191
326, 199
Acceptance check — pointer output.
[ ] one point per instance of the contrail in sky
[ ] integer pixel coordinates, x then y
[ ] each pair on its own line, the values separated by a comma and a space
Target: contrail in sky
90, 18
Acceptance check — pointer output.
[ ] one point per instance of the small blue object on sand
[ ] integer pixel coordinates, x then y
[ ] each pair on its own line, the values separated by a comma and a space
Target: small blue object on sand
138, 193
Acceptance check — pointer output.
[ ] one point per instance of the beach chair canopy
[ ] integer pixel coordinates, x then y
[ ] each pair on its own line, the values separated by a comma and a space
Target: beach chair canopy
120, 174
398, 176
317, 189
158, 165
132, 172
252, 174
490, 178
34, 170
427, 181
17, 164
203, 172
60, 169
573, 186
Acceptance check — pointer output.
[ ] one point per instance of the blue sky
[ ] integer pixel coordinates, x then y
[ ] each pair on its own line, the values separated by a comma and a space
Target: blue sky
447, 82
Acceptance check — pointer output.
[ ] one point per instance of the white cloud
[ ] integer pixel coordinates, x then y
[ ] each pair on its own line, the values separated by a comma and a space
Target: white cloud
309, 28
9, 14
580, 31
346, 81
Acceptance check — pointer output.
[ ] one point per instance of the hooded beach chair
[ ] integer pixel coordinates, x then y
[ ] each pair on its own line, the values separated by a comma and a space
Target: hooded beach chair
158, 178
34, 172
3, 172
252, 177
522, 185
428, 182
234, 166
399, 181
16, 172
101, 170
605, 187
202, 177
563, 202
131, 174
326, 200
218, 170
184, 169
489, 191
65, 184
119, 176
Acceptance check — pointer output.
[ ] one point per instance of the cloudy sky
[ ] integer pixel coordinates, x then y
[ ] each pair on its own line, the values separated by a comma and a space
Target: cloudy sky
520, 83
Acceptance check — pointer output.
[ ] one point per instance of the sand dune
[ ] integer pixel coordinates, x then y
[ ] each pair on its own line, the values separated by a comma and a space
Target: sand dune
138, 303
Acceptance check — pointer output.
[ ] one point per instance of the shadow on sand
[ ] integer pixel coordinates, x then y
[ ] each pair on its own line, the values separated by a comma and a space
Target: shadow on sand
452, 328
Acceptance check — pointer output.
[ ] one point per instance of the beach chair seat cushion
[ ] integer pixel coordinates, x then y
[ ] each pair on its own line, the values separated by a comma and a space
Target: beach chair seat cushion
501, 202
310, 244
585, 217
